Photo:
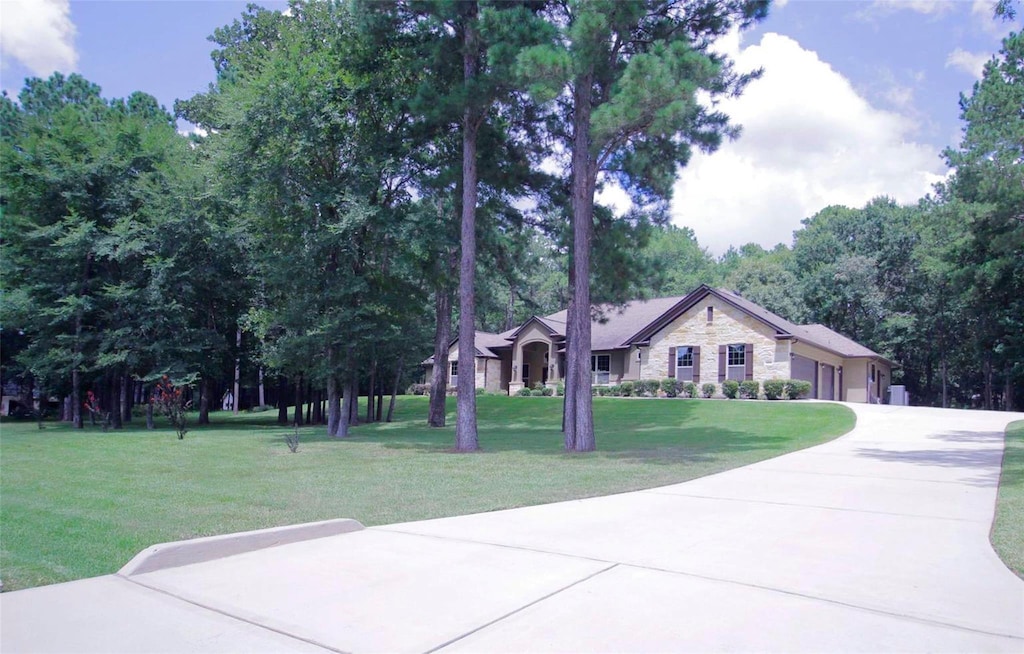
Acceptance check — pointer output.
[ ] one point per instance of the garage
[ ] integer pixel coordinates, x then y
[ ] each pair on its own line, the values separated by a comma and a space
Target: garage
807, 370
828, 377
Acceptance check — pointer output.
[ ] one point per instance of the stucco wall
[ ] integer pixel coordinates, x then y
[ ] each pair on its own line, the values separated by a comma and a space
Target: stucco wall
823, 356
729, 326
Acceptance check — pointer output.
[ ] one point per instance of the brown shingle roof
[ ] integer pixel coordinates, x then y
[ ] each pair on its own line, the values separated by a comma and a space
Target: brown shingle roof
617, 325
620, 326
824, 337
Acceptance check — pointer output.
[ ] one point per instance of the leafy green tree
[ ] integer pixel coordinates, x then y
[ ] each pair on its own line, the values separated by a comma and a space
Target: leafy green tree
989, 182
76, 174
767, 278
315, 138
626, 76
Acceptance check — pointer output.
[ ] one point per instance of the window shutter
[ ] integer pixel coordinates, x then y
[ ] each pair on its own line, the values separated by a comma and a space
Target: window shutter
696, 364
748, 358
721, 363
671, 362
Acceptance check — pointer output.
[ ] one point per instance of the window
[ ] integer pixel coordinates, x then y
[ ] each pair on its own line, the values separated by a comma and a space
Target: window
684, 363
737, 362
600, 368
453, 378
711, 314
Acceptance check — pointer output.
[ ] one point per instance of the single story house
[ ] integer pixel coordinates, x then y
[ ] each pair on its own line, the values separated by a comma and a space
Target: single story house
709, 335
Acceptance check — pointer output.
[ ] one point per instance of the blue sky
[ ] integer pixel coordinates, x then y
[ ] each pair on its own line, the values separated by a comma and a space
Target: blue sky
858, 98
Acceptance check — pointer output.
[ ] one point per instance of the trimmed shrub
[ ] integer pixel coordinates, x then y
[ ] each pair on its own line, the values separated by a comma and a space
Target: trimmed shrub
708, 389
671, 387
614, 391
750, 389
797, 388
649, 387
547, 391
730, 388
418, 389
560, 389
481, 391
523, 392
690, 390
774, 389
537, 392
626, 389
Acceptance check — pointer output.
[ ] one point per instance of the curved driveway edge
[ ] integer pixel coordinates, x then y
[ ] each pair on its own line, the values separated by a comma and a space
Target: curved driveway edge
877, 541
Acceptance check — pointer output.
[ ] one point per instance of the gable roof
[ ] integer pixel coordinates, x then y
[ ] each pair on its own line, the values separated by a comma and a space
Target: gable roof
634, 323
819, 336
482, 342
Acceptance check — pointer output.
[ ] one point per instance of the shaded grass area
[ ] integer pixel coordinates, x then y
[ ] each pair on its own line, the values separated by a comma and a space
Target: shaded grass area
1008, 528
80, 504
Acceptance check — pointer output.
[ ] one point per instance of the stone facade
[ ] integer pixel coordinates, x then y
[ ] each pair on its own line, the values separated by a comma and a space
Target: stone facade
728, 326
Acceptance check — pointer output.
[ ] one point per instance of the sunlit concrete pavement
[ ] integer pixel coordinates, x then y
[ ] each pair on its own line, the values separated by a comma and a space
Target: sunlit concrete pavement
877, 541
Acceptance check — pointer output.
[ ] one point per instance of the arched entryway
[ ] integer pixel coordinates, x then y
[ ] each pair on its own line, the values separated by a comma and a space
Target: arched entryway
536, 364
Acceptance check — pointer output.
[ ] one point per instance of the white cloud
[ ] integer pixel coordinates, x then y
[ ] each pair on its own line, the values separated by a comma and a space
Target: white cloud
39, 34
972, 63
809, 140
927, 7
984, 14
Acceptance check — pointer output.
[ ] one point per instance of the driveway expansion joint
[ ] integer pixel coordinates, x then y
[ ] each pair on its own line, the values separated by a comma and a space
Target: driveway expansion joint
520, 609
162, 591
725, 580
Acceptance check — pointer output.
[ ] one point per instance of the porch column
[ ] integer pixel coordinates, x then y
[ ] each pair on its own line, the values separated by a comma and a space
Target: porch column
552, 362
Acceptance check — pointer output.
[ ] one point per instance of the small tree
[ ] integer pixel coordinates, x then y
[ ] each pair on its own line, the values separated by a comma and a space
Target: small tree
169, 400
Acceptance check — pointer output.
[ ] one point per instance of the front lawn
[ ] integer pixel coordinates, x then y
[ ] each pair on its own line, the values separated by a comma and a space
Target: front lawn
1008, 528
79, 504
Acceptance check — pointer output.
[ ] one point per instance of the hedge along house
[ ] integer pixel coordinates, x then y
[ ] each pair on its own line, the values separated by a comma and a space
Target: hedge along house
709, 335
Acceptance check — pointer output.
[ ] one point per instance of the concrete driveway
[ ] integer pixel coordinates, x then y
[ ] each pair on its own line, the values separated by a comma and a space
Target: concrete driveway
877, 541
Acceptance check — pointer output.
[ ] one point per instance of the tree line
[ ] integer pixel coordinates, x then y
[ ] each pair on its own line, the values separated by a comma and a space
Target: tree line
369, 172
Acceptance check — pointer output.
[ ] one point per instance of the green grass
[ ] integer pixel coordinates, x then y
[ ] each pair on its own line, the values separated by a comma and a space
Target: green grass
1008, 528
79, 504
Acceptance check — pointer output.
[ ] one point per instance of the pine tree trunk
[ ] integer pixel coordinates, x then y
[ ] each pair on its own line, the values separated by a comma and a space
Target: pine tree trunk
988, 381
510, 308
353, 390
380, 399
439, 373
580, 422
333, 406
262, 391
76, 399
345, 413
1008, 392
282, 400
394, 391
297, 417
945, 380
205, 389
149, 410
318, 415
371, 393
126, 399
466, 439
236, 388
